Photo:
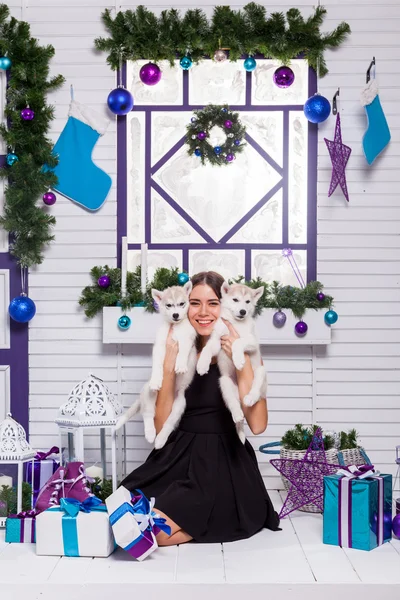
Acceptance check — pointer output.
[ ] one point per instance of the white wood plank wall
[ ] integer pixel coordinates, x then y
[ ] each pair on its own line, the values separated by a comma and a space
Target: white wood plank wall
355, 382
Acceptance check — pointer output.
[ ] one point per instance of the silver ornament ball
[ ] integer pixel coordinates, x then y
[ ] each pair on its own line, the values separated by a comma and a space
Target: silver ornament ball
220, 56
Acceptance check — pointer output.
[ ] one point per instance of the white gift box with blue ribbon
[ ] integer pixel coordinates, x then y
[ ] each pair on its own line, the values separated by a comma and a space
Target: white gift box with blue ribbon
75, 529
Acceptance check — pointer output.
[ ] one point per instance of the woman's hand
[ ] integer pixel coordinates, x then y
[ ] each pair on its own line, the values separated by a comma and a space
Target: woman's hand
171, 352
227, 340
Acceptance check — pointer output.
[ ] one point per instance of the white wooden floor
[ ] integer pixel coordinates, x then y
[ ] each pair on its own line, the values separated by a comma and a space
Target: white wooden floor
292, 564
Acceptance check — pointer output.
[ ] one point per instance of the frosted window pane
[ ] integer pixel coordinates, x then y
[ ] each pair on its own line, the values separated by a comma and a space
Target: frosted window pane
270, 265
298, 177
216, 198
167, 226
264, 90
167, 128
167, 91
266, 225
266, 128
155, 259
135, 139
229, 263
217, 83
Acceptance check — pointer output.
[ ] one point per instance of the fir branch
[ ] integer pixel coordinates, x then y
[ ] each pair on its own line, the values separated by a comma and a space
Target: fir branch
299, 438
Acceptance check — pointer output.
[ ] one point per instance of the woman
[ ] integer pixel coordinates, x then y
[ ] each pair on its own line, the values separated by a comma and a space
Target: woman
206, 483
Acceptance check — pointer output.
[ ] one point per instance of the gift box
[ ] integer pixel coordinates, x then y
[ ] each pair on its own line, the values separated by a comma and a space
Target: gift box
357, 509
21, 528
74, 529
44, 467
134, 522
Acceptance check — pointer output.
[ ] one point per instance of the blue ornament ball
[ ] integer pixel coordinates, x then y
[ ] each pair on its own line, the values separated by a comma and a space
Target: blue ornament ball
11, 158
250, 64
5, 63
120, 101
331, 317
317, 109
124, 322
237, 142
186, 63
217, 149
183, 278
197, 152
22, 309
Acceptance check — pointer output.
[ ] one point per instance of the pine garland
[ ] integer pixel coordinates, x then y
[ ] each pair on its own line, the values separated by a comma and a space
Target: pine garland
348, 441
140, 34
299, 438
95, 298
28, 84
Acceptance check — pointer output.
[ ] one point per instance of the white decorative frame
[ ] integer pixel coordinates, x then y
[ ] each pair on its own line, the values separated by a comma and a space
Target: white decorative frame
5, 396
4, 316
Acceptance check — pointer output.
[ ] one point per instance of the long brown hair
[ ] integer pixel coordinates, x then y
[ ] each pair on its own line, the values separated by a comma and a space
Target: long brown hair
214, 281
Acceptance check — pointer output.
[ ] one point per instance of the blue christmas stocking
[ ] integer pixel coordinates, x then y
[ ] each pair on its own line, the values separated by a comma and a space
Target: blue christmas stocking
377, 136
79, 179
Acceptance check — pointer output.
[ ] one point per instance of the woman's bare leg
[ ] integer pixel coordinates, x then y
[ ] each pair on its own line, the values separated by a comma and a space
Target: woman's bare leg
178, 536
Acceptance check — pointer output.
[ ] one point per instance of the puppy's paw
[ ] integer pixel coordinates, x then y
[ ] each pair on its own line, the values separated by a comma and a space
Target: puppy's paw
203, 365
237, 415
150, 433
181, 367
160, 441
155, 382
240, 432
250, 399
238, 358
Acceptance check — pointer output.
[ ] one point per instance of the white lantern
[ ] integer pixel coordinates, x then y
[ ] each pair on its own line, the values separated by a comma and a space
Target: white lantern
14, 450
92, 406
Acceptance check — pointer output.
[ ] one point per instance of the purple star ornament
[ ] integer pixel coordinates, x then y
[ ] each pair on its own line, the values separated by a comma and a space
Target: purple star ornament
340, 154
306, 476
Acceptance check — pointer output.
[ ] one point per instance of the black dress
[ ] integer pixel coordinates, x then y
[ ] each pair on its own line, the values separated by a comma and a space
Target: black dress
204, 478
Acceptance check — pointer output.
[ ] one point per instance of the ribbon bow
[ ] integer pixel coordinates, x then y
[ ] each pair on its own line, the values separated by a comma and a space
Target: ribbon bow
72, 507
44, 455
143, 506
358, 472
25, 514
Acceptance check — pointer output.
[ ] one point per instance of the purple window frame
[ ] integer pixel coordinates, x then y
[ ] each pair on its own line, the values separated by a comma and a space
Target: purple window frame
209, 243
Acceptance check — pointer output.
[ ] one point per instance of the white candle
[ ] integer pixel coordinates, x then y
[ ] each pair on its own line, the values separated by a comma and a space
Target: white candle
5, 480
124, 264
143, 265
94, 472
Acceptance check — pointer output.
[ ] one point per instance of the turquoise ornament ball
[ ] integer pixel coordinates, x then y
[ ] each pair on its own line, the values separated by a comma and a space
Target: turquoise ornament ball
331, 317
183, 278
124, 322
11, 158
186, 63
5, 63
250, 64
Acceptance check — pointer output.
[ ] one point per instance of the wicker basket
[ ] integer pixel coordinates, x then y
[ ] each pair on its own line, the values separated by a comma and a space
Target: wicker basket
354, 456
331, 457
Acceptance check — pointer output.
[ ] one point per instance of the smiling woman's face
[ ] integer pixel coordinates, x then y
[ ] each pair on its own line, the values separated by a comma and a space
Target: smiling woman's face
204, 309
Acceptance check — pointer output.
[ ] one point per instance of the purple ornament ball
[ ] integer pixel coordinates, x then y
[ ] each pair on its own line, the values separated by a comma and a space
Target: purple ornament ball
230, 157
320, 296
150, 74
27, 114
104, 281
301, 328
387, 524
283, 77
202, 135
228, 124
396, 526
49, 198
279, 319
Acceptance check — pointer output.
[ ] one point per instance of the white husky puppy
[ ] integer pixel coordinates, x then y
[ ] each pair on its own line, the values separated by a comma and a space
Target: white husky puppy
173, 305
238, 303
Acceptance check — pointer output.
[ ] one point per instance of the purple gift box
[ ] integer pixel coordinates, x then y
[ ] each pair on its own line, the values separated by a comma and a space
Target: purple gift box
44, 467
21, 528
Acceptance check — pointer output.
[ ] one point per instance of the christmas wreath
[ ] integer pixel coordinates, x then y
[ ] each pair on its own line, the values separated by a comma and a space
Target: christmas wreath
199, 130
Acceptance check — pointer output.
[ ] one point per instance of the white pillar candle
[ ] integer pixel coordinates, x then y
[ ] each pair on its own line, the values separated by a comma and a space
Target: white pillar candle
5, 480
124, 264
143, 265
94, 472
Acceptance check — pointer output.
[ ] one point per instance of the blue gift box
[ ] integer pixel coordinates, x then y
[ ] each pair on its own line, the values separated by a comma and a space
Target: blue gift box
21, 528
357, 512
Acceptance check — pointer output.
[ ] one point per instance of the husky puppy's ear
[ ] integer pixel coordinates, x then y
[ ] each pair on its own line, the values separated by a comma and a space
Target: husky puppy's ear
224, 288
157, 295
188, 287
258, 293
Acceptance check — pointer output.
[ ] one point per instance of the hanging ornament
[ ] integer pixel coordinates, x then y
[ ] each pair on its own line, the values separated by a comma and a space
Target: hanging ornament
201, 135
237, 142
104, 281
186, 62
396, 526
250, 64
5, 63
331, 317
317, 109
49, 198
283, 77
22, 309
279, 319
183, 278
340, 154
11, 158
124, 322
320, 296
120, 101
27, 114
230, 157
150, 74
301, 328
217, 149
228, 124
197, 152
220, 56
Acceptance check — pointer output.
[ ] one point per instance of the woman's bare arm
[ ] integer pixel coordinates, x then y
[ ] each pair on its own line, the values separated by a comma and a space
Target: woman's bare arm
166, 394
256, 415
